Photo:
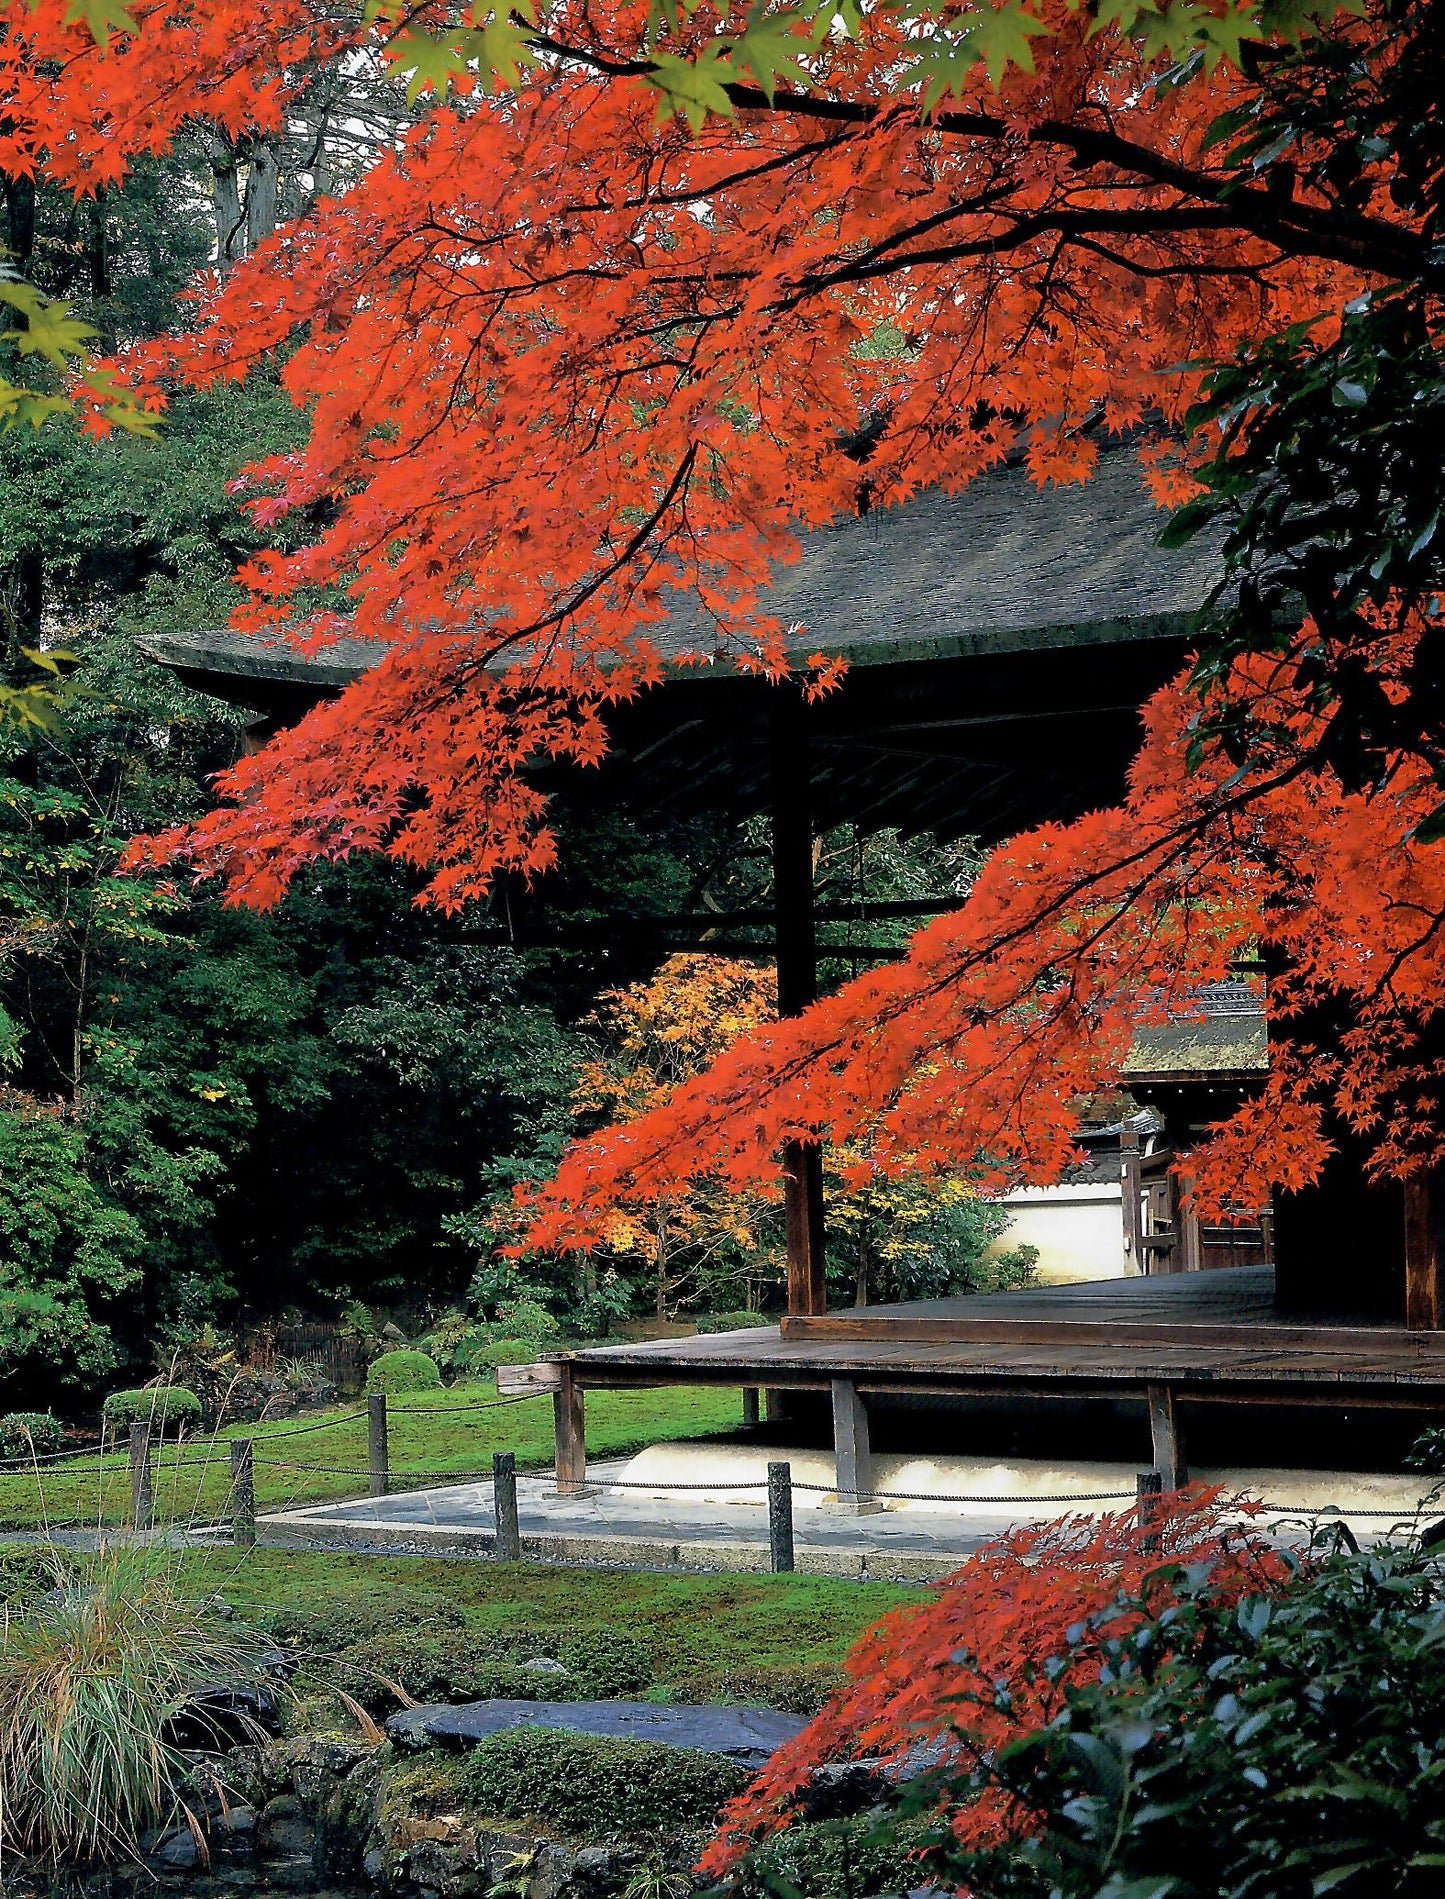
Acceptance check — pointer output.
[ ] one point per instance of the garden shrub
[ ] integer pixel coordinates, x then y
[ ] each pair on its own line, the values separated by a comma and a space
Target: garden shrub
402, 1371
24, 1434
732, 1321
838, 1859
590, 1785
163, 1407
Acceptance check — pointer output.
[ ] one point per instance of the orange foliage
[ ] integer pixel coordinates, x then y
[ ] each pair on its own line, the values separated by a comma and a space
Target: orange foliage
562, 358
991, 1658
982, 1041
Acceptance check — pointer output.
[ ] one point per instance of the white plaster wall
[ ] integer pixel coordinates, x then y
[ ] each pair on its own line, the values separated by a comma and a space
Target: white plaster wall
1079, 1231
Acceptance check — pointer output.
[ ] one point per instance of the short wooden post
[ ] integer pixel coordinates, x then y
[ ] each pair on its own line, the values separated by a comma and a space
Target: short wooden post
142, 1492
780, 1517
243, 1493
750, 1404
852, 1455
1167, 1438
376, 1448
504, 1501
569, 1422
1149, 1485
775, 1406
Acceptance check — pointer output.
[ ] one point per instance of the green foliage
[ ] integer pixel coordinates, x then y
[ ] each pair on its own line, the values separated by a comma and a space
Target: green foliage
91, 1673
403, 1371
799, 1688
69, 1255
593, 1786
163, 1407
26, 1434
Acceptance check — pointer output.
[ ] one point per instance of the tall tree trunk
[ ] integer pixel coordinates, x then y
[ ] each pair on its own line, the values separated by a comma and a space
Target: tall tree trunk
226, 200
263, 177
19, 196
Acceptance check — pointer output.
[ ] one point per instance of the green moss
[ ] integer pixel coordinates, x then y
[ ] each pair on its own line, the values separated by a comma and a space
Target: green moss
594, 1787
421, 1787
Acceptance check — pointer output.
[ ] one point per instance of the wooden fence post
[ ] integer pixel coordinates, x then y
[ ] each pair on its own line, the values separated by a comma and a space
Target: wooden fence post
376, 1444
1150, 1487
504, 1500
142, 1493
569, 1423
780, 1517
243, 1493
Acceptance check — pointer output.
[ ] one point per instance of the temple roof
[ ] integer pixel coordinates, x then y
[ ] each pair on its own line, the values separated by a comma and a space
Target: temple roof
1000, 642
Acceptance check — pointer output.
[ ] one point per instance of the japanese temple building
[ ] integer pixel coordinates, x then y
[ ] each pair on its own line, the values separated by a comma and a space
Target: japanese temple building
1000, 645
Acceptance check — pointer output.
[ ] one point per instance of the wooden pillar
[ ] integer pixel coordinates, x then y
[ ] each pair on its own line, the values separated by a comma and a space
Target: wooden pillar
797, 960
569, 1419
852, 1453
1131, 1193
1168, 1442
1425, 1252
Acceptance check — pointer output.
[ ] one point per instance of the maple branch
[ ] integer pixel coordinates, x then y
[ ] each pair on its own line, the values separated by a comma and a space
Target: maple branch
1359, 239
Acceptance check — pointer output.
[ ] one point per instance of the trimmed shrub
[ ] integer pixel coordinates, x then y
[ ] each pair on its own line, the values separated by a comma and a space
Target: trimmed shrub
28, 1433
590, 1785
733, 1321
163, 1407
403, 1371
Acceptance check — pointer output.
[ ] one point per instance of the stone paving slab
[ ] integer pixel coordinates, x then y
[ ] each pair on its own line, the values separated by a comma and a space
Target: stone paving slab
749, 1735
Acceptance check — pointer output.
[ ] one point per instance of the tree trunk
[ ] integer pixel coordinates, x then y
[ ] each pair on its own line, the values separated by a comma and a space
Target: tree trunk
226, 200
263, 177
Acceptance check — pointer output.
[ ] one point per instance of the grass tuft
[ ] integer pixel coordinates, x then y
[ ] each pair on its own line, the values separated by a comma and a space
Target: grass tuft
93, 1671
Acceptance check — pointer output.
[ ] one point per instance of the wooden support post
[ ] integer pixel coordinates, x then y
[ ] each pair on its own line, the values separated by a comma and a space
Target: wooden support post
796, 947
1424, 1252
852, 1456
1131, 1193
243, 1493
376, 1448
1167, 1440
504, 1504
776, 1409
750, 1404
142, 1492
1150, 1486
569, 1421
780, 1517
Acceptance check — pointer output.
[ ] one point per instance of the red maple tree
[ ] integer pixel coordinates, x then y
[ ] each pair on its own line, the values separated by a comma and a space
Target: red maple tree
564, 354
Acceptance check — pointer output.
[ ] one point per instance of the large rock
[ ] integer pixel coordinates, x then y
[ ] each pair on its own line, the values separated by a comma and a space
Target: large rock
748, 1735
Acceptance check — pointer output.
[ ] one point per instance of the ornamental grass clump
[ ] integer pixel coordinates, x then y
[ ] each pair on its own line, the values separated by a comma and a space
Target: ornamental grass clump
93, 1672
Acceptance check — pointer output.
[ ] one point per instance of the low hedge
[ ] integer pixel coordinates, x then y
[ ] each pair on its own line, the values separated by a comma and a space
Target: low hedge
169, 1407
590, 1785
24, 1434
402, 1371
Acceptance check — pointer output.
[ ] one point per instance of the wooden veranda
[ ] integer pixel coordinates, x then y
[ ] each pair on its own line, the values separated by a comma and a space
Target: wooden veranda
1199, 1337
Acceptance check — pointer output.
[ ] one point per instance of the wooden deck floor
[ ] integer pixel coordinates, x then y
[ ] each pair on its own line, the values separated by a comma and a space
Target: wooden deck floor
1213, 1334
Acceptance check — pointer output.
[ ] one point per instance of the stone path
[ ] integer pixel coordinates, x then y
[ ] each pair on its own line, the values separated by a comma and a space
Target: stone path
728, 1530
